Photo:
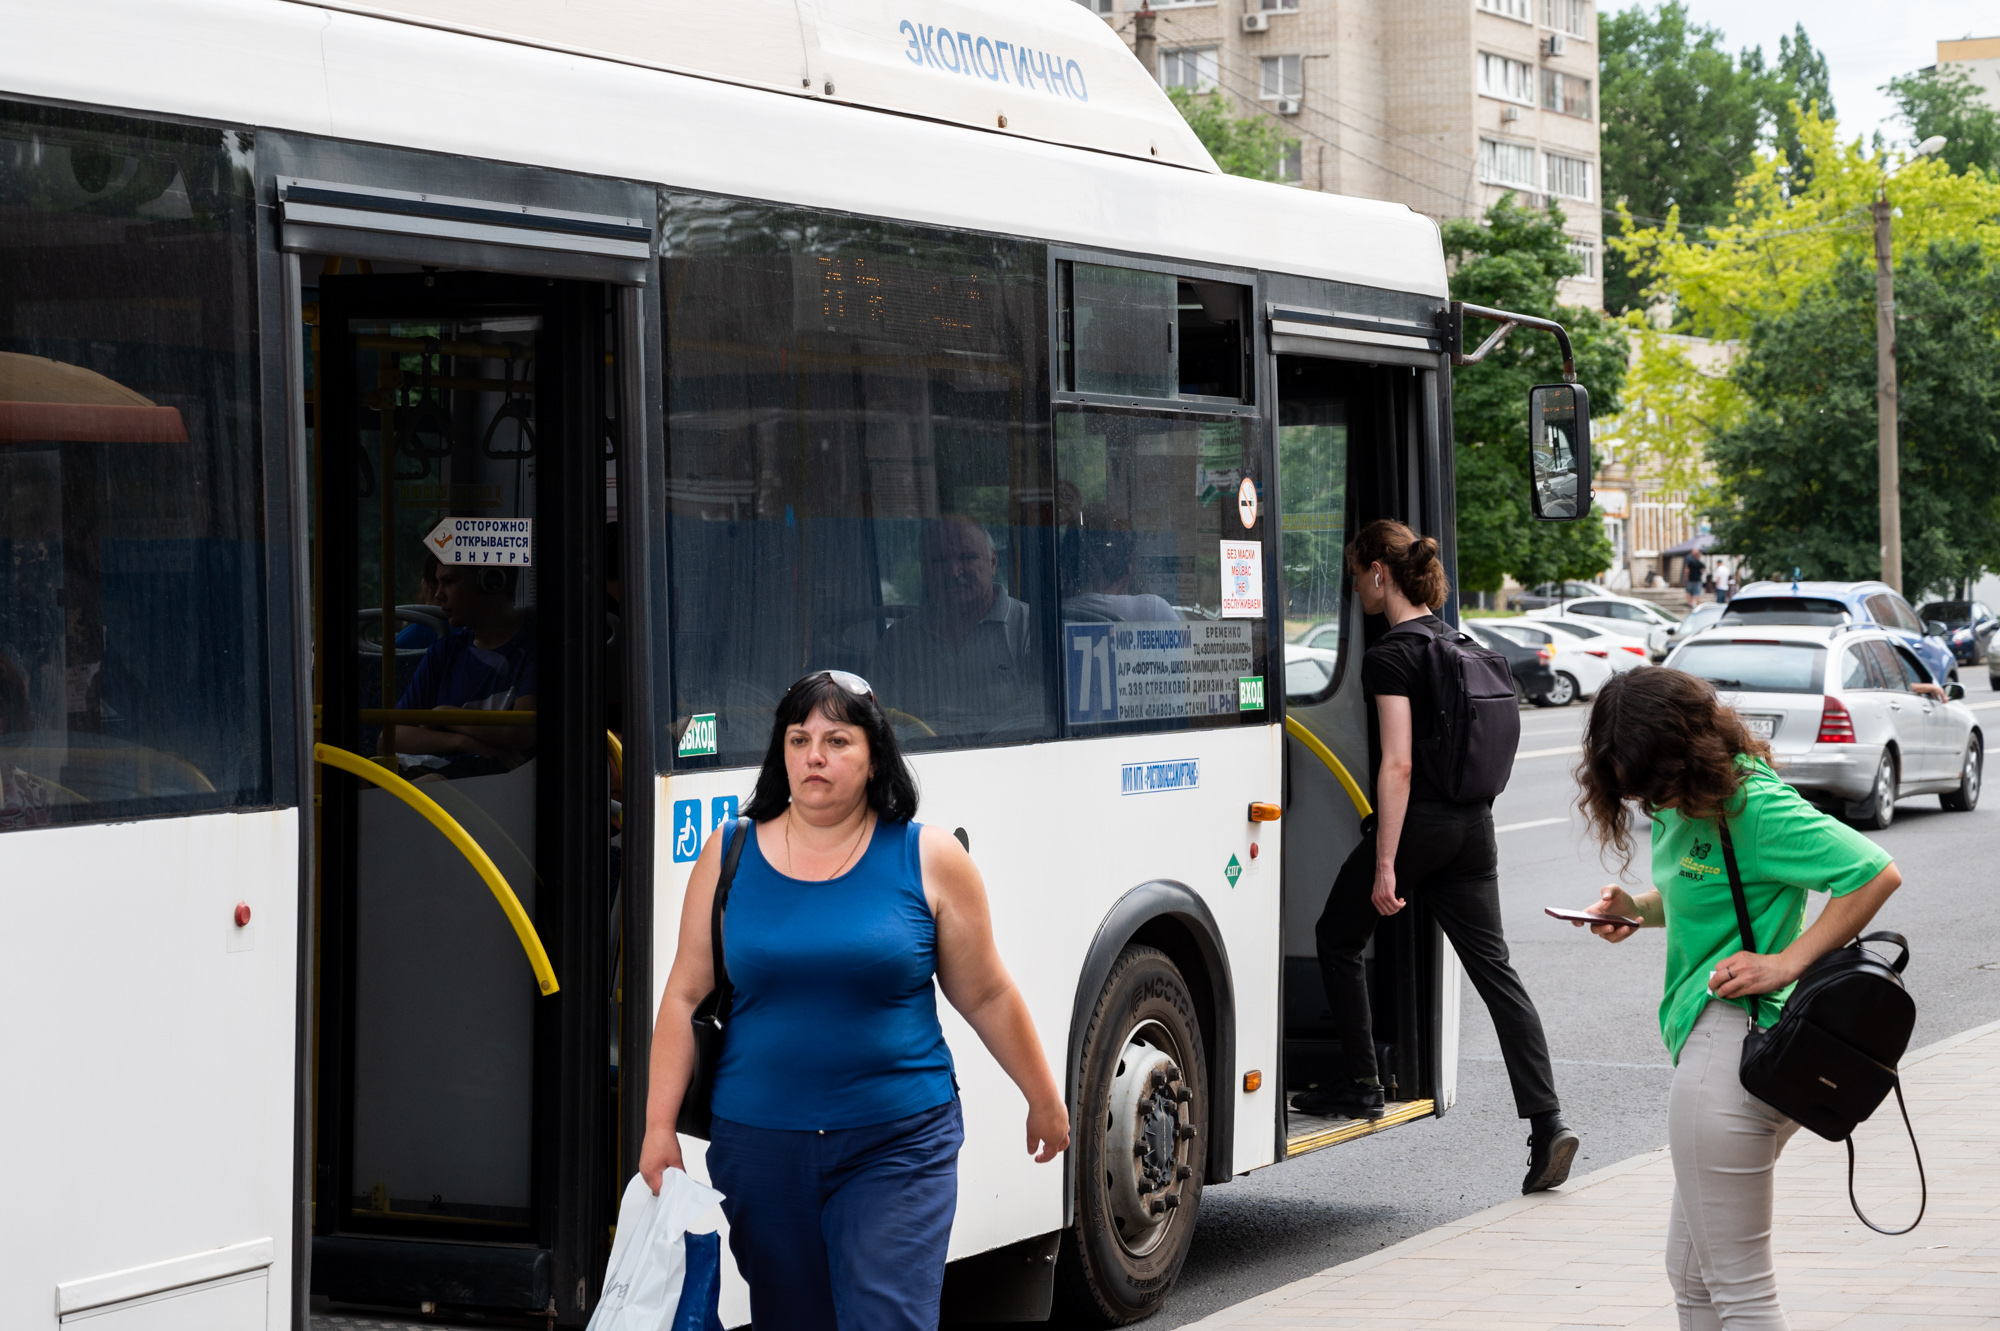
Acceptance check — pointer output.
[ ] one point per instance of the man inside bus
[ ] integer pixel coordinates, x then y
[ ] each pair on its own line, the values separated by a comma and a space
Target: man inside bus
963, 662
1098, 559
486, 663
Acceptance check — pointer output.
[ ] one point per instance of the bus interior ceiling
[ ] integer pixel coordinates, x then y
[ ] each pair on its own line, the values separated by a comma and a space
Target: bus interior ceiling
466, 1134
1347, 434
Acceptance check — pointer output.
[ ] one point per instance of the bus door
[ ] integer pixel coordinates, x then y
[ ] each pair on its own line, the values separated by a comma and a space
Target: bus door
1354, 444
463, 1141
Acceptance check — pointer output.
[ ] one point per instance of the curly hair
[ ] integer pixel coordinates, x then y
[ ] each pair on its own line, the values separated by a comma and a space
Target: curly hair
1412, 560
1661, 739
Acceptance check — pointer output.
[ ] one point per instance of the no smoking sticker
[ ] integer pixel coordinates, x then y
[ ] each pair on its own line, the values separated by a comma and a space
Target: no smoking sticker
1246, 503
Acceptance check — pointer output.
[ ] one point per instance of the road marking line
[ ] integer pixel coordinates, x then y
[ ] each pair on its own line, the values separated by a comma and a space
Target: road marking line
1549, 753
1579, 1062
1980, 706
1539, 822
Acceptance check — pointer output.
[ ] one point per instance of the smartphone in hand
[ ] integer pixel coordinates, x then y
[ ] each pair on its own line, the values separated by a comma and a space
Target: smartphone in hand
1585, 917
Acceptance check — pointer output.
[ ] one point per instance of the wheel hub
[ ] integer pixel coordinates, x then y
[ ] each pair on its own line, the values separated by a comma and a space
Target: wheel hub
1146, 1143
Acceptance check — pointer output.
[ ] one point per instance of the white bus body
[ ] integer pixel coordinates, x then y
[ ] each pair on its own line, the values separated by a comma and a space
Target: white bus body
166, 1061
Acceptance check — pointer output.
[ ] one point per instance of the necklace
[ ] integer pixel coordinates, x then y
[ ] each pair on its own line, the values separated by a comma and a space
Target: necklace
841, 868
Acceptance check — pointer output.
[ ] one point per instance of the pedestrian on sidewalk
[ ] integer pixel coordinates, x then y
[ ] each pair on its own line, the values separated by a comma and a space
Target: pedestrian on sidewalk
1661, 739
1697, 568
1438, 851
836, 1116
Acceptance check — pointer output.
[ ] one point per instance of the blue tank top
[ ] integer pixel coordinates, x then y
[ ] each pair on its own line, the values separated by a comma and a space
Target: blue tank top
835, 1023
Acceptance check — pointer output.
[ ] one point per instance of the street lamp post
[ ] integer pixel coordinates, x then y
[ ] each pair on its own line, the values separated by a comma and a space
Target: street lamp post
1887, 447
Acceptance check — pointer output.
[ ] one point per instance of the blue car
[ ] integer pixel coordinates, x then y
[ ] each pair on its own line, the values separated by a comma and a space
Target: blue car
1844, 603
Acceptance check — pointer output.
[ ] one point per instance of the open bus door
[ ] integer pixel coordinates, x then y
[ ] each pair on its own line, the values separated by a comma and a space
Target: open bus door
463, 425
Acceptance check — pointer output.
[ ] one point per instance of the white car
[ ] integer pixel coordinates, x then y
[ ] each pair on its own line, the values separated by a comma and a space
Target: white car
1620, 614
1663, 640
1581, 667
1620, 652
1840, 709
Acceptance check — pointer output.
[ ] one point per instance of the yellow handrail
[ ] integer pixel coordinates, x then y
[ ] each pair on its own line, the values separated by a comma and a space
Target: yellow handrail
524, 928
1296, 729
617, 754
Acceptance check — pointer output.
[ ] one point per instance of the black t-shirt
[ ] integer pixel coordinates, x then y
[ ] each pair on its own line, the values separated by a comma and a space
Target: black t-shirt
1395, 666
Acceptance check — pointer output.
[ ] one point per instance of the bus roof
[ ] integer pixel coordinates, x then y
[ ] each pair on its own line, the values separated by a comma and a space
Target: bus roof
1041, 69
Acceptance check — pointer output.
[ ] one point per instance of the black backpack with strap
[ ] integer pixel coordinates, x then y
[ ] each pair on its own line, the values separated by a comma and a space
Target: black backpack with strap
1831, 1059
1475, 717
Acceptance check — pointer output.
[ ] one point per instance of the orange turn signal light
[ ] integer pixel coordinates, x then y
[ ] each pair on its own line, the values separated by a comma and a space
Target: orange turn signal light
1252, 1080
1260, 812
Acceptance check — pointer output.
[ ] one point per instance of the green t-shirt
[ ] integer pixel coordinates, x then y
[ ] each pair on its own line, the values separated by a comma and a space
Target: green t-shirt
1784, 847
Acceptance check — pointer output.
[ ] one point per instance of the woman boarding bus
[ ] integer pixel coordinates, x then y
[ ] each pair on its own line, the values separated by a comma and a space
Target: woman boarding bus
930, 347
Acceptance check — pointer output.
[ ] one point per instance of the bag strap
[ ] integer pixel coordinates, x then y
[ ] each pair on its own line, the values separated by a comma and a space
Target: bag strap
1890, 936
1923, 1184
1743, 929
731, 853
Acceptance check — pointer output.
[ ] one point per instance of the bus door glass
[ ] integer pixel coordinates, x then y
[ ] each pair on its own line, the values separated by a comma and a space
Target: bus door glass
461, 508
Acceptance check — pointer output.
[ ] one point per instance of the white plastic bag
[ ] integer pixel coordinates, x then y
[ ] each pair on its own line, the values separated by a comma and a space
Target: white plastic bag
642, 1284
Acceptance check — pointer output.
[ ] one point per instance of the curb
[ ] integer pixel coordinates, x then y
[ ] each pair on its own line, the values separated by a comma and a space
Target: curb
1239, 1312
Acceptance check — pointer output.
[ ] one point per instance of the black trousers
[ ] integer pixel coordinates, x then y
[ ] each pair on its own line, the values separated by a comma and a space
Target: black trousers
1446, 858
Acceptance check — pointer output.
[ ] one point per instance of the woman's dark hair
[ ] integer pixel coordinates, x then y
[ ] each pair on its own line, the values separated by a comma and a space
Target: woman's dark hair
1660, 738
892, 791
1412, 560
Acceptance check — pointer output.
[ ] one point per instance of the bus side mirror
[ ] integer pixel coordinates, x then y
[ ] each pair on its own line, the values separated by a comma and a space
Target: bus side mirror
1559, 451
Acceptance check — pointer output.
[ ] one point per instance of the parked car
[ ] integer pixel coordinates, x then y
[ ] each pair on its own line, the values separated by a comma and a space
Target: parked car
1621, 653
1308, 670
1580, 669
1620, 614
1838, 705
1533, 668
1970, 628
1663, 640
1873, 603
1550, 593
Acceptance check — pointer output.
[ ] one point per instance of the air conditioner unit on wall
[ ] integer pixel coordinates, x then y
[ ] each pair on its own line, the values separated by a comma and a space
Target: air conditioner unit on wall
1509, 114
1554, 44
1256, 22
1287, 106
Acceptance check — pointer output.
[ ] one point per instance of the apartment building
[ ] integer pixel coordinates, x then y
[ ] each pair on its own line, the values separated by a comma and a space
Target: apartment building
1443, 105
1979, 59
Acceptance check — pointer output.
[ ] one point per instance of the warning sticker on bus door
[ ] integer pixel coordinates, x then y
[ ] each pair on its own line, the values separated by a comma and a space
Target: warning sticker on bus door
1145, 671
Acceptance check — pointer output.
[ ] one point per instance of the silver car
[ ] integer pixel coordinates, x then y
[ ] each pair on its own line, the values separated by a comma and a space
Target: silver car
1841, 710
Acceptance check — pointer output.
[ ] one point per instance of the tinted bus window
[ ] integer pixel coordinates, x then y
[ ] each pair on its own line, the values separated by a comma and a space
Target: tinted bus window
1163, 615
857, 474
132, 666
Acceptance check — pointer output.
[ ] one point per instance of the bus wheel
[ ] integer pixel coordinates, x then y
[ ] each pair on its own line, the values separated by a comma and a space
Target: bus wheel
1139, 1142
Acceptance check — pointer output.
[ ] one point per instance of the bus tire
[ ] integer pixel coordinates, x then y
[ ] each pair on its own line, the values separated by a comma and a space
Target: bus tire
1140, 1140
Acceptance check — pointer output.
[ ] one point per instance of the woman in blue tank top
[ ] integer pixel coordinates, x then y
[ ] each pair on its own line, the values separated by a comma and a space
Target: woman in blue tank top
836, 1118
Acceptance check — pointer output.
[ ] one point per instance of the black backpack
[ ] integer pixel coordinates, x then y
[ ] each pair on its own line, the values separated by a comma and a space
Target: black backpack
1476, 718
1831, 1059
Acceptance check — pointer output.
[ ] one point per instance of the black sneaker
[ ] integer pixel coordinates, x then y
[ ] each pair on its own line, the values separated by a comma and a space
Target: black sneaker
1343, 1100
1549, 1160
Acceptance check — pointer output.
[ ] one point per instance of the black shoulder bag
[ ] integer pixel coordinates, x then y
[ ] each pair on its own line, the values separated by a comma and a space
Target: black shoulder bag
711, 1015
1831, 1059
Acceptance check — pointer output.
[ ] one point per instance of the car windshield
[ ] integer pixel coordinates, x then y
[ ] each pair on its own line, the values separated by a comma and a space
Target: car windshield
1755, 667
1953, 614
1574, 630
1520, 633
1785, 610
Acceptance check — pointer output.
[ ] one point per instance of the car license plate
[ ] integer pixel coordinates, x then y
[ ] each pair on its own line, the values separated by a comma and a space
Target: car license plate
1763, 727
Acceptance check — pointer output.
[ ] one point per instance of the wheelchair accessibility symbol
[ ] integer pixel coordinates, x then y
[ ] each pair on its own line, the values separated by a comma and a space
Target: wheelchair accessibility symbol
687, 830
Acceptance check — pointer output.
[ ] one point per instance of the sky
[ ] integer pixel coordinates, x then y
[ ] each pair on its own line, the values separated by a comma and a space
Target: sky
1866, 43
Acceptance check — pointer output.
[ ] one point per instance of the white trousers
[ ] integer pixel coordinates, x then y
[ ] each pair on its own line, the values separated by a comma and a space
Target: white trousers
1725, 1146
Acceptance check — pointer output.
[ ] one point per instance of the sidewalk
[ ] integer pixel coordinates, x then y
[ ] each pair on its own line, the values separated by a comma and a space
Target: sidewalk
1590, 1254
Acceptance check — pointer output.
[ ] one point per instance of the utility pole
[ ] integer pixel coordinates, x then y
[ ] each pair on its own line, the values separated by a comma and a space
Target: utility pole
1887, 464
1143, 44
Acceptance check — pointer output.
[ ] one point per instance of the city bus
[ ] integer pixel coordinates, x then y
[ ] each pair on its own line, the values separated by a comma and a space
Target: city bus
389, 388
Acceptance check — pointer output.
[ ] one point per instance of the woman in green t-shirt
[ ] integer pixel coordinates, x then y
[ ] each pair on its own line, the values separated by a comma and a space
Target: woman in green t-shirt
1662, 740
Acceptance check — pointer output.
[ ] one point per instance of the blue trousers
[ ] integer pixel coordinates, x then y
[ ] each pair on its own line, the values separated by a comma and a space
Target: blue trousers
841, 1230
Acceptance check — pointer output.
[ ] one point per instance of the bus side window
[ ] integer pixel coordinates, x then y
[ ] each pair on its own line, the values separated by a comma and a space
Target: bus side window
132, 632
857, 474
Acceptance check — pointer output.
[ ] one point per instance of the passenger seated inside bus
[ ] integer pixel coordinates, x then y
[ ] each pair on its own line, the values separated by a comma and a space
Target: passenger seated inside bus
487, 663
963, 662
1097, 559
415, 633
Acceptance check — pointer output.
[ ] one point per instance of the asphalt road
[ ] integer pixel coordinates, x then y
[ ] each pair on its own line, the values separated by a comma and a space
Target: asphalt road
1599, 1005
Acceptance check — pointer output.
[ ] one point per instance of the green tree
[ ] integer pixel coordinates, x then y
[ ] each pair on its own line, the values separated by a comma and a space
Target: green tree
1241, 145
1796, 475
1683, 119
1511, 259
1799, 83
1945, 101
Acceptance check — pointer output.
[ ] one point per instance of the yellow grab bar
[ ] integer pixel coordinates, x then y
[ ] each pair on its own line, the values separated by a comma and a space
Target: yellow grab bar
617, 753
1296, 729
524, 928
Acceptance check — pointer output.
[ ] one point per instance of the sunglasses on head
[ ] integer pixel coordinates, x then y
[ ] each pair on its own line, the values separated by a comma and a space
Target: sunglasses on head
847, 679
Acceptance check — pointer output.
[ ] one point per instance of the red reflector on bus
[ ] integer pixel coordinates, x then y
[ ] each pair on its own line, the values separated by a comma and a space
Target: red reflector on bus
1836, 724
